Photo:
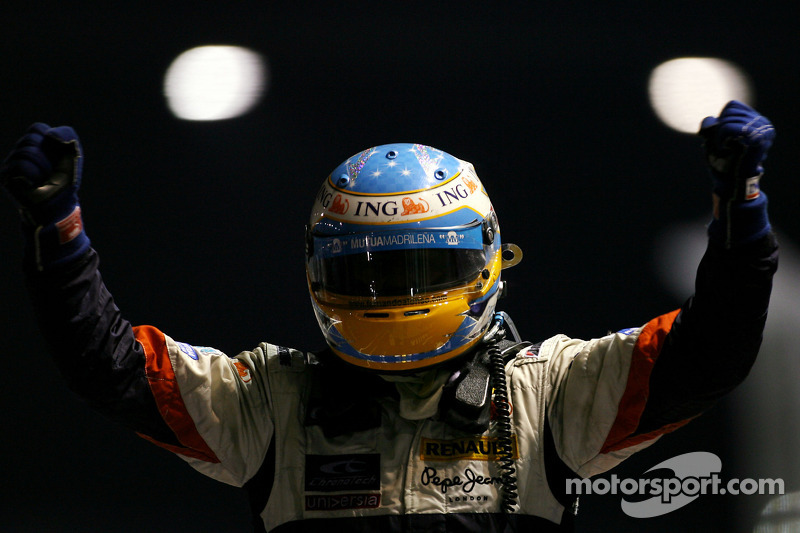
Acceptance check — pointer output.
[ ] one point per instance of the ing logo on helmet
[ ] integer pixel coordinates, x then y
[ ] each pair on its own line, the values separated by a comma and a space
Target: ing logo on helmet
339, 205
471, 185
461, 191
411, 208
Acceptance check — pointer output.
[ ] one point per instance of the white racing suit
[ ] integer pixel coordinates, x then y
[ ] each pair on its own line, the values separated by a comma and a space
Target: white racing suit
314, 442
401, 466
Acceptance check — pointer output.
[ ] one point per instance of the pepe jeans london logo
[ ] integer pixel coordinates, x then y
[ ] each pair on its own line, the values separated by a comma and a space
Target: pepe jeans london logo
463, 483
672, 484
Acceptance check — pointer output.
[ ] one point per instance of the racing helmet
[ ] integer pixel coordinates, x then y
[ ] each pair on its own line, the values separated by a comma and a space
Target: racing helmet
403, 258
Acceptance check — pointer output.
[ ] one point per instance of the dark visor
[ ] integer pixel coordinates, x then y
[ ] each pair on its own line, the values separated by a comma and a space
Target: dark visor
396, 272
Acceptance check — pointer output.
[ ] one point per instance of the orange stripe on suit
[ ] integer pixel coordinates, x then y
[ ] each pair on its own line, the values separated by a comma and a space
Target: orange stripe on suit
631, 405
164, 386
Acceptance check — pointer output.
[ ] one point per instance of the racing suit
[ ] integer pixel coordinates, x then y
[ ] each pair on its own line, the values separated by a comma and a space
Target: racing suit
313, 441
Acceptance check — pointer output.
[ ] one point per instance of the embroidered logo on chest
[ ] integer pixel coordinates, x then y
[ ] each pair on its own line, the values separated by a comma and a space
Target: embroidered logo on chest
346, 475
470, 448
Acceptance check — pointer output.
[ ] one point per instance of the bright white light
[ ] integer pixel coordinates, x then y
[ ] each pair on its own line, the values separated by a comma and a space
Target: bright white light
214, 82
686, 90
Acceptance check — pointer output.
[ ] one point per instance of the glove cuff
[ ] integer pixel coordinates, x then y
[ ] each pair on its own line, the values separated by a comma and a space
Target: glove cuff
738, 189
57, 243
737, 223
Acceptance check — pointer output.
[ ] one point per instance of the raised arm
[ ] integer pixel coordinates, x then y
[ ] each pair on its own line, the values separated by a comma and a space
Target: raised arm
93, 346
211, 409
618, 394
714, 340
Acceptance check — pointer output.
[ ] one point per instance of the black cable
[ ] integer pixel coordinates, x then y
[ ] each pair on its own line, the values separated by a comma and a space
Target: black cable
505, 452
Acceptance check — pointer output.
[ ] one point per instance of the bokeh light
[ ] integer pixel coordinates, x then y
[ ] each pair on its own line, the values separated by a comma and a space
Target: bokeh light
215, 82
685, 90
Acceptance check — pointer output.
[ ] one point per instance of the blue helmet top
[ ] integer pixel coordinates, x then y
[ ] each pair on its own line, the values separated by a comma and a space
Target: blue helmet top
395, 168
396, 187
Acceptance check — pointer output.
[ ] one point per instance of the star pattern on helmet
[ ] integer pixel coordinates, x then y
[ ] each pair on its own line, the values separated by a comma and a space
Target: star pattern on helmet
396, 168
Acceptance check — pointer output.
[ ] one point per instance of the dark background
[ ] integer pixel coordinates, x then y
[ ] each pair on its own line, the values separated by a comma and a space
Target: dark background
199, 225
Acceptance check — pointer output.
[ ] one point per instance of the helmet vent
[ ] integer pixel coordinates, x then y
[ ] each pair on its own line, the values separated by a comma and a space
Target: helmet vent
417, 312
376, 315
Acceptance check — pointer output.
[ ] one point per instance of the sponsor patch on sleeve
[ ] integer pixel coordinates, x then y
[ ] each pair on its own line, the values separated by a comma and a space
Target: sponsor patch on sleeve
195, 351
188, 350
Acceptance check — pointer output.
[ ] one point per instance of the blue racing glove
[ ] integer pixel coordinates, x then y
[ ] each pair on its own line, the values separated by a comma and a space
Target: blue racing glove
736, 145
43, 174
